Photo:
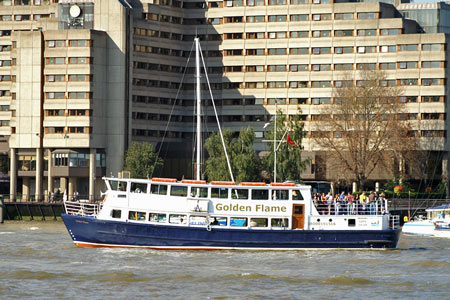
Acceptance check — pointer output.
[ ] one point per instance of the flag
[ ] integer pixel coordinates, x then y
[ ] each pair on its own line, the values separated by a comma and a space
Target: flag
289, 140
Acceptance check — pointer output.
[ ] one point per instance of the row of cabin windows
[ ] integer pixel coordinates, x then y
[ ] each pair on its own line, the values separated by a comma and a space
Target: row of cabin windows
202, 220
215, 193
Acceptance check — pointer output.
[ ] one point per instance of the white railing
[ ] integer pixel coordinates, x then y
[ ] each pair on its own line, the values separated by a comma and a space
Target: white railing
394, 221
374, 208
82, 208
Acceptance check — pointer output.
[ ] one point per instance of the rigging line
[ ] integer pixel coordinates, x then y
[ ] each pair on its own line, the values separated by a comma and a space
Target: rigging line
172, 109
438, 158
217, 117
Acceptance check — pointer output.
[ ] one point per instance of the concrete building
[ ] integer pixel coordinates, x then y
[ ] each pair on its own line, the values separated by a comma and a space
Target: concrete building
63, 94
82, 79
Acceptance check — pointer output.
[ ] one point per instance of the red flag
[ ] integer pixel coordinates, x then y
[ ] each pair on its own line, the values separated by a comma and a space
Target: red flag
289, 140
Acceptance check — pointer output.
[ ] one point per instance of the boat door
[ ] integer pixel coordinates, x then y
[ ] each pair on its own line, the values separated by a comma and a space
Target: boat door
298, 216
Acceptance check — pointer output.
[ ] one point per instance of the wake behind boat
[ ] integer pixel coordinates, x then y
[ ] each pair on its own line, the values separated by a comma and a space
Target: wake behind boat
165, 213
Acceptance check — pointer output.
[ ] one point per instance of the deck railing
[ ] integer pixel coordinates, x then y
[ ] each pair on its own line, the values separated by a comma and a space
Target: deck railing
82, 208
374, 208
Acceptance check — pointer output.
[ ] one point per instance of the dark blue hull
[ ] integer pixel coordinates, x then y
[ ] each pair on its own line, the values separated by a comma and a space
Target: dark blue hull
92, 232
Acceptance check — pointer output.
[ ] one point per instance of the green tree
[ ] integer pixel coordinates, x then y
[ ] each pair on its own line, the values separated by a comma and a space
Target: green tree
289, 157
141, 160
245, 164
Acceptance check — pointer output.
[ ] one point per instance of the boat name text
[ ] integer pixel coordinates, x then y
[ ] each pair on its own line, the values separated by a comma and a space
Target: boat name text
249, 208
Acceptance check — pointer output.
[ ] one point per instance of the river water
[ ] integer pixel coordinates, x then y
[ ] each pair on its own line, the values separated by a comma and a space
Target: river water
39, 261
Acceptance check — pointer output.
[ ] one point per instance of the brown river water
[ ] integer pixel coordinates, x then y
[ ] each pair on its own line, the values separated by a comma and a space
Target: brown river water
39, 261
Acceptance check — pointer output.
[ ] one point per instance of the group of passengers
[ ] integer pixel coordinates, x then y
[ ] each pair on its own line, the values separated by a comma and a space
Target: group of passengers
342, 204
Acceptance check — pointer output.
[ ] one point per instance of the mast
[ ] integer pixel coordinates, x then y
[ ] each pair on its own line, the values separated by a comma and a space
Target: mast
199, 133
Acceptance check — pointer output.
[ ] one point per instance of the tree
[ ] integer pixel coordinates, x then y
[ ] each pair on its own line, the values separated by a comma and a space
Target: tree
289, 156
244, 162
141, 160
365, 127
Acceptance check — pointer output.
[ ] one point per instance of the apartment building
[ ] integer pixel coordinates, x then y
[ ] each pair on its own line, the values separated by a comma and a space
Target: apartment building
63, 94
264, 55
82, 79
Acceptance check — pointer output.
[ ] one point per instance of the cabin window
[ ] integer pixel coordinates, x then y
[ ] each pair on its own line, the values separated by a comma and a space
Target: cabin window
138, 187
296, 195
199, 192
238, 222
351, 222
241, 194
136, 215
279, 222
159, 189
258, 222
197, 220
221, 193
116, 213
260, 194
155, 217
280, 195
118, 185
177, 219
178, 191
219, 221
122, 186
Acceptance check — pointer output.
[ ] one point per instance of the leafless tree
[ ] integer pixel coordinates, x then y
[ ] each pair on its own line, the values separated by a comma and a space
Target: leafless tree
366, 127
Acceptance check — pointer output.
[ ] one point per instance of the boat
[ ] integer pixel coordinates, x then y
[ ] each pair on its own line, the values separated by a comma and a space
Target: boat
426, 226
442, 229
192, 214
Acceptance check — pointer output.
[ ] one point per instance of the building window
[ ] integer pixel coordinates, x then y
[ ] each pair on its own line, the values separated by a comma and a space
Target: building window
387, 66
343, 50
256, 19
367, 15
432, 81
433, 64
342, 67
432, 47
408, 47
343, 33
390, 31
367, 32
297, 68
430, 99
299, 34
297, 18
278, 18
409, 81
277, 51
343, 16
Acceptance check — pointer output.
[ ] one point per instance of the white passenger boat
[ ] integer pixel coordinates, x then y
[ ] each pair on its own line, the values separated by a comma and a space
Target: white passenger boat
426, 226
164, 213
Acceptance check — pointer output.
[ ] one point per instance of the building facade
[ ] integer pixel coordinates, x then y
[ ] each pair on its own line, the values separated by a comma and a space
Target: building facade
82, 79
64, 94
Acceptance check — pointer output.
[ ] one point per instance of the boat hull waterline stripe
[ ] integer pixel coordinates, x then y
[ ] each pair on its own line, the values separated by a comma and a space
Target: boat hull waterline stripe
95, 245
